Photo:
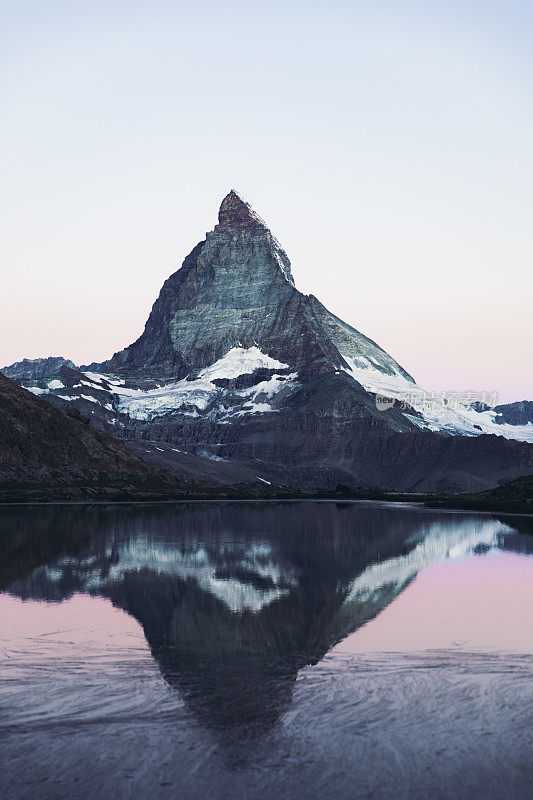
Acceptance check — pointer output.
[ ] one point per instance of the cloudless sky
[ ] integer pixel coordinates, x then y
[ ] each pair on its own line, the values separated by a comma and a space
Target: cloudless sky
388, 146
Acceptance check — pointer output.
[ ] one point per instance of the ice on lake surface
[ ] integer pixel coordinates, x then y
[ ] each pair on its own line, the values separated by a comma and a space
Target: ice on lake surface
288, 650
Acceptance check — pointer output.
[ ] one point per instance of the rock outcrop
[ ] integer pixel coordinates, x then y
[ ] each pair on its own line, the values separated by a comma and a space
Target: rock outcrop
520, 413
34, 369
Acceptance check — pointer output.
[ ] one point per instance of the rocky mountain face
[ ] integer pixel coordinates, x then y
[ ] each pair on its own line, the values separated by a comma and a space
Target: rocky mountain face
47, 455
520, 413
235, 290
236, 365
35, 369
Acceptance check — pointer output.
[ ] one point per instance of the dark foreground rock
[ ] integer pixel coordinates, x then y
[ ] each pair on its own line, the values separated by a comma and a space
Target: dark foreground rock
513, 497
47, 455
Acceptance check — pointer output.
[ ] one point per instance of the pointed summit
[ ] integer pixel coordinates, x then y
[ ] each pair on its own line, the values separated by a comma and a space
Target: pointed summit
234, 212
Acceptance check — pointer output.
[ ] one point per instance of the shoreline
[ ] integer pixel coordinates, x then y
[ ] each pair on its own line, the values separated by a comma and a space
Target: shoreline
429, 502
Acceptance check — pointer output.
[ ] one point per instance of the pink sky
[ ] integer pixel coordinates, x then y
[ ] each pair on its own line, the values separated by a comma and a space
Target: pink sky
388, 147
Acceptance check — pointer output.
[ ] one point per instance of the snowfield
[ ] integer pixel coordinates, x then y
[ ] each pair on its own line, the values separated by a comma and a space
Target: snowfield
239, 361
193, 396
439, 411
143, 405
453, 414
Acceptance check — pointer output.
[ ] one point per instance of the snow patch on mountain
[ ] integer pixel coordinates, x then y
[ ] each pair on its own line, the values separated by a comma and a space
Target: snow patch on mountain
254, 408
190, 397
240, 361
143, 405
439, 411
271, 387
97, 377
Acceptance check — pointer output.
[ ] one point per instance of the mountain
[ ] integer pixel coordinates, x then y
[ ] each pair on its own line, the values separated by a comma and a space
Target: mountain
47, 455
520, 413
235, 290
36, 368
235, 364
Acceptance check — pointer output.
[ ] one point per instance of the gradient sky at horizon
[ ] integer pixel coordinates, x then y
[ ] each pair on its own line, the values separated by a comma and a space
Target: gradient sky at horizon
388, 147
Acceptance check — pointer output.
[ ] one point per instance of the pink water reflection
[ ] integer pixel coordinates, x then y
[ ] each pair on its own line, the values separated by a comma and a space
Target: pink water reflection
80, 620
480, 603
483, 603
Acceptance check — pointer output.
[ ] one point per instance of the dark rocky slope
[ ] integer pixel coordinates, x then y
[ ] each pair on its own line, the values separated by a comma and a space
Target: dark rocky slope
514, 497
45, 454
515, 413
520, 490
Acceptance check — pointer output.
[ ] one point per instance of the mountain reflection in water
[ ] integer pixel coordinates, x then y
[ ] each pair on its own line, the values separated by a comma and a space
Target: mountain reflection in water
235, 599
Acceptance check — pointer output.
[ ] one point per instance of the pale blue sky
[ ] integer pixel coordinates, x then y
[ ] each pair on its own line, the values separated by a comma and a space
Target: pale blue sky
388, 146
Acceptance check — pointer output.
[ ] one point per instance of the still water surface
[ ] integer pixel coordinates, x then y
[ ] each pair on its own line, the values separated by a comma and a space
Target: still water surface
287, 650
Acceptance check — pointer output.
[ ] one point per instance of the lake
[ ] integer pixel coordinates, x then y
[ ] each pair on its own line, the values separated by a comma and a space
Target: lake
246, 650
